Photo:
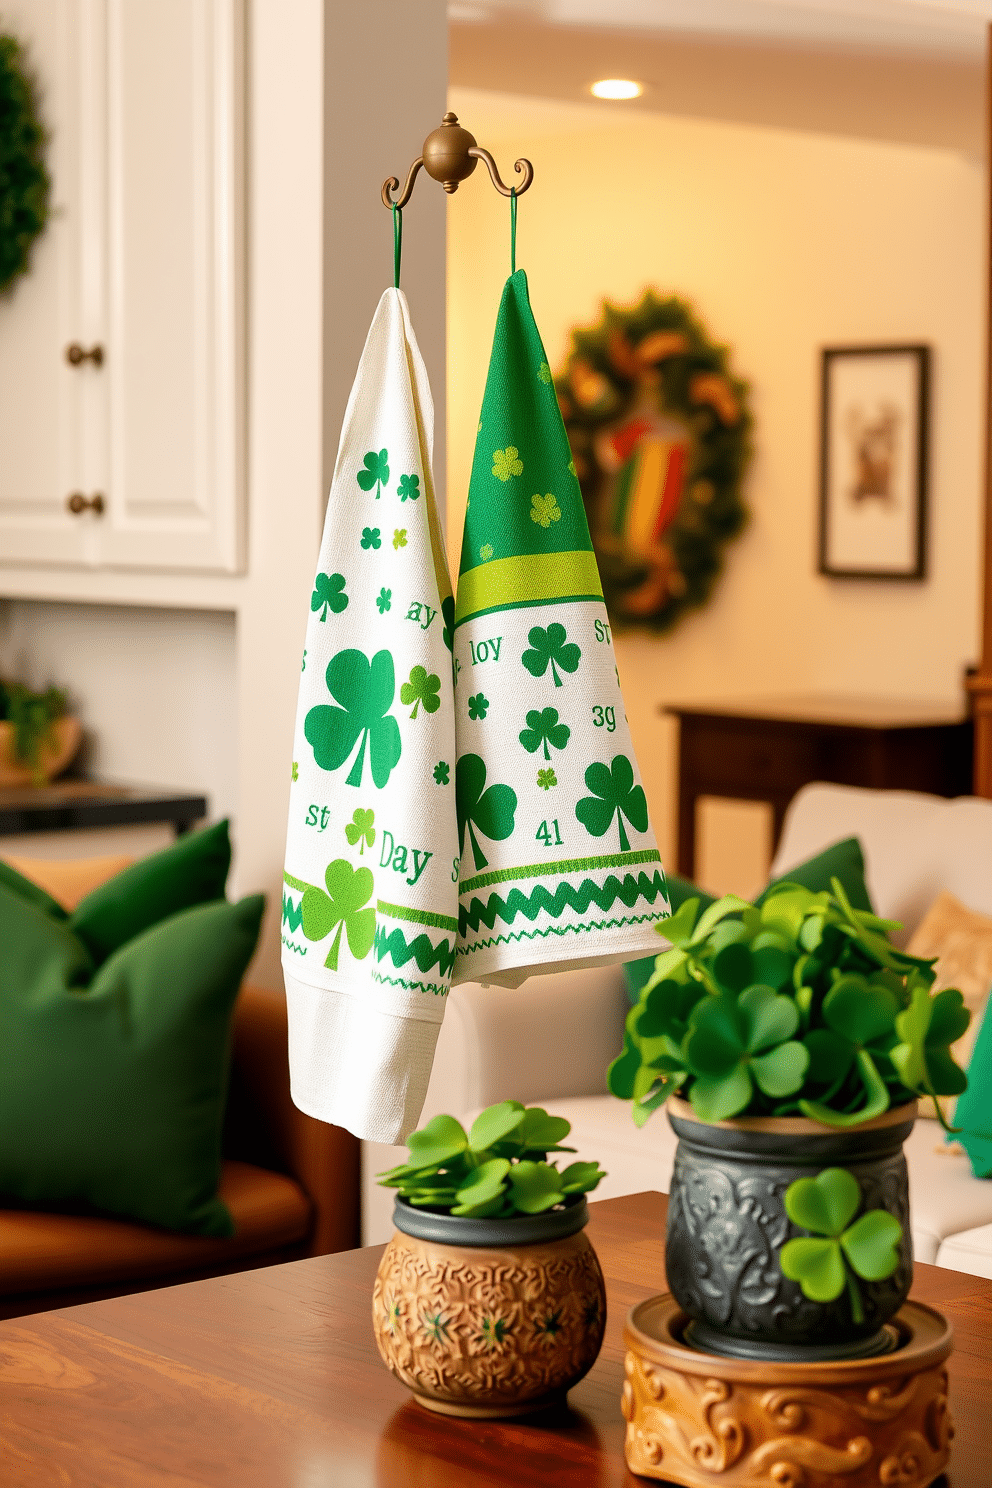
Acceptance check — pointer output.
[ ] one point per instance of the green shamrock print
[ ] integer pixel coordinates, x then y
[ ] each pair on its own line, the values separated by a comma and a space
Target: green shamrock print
327, 594
546, 779
361, 829
543, 728
304, 666
422, 688
409, 487
549, 647
448, 616
491, 811
384, 600
399, 537
869, 1248
506, 463
544, 373
613, 794
371, 537
544, 510
441, 772
296, 770
348, 889
365, 691
486, 552
571, 468
376, 472
478, 706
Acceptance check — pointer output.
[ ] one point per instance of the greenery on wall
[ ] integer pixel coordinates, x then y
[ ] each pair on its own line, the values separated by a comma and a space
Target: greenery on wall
660, 430
25, 184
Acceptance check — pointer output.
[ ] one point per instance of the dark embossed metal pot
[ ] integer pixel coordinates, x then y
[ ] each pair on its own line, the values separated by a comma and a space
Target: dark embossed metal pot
489, 1317
727, 1225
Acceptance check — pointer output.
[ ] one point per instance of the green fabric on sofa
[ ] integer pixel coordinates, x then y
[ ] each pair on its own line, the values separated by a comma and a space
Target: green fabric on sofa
113, 1081
32, 892
842, 860
192, 870
973, 1112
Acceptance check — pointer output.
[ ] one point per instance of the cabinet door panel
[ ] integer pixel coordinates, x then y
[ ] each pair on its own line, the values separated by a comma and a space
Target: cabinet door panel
175, 468
42, 398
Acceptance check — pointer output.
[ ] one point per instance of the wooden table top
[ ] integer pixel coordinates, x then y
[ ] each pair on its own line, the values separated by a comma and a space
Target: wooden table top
840, 711
272, 1378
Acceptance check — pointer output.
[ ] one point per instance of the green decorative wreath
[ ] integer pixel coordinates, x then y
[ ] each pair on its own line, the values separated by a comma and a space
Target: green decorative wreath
660, 432
24, 180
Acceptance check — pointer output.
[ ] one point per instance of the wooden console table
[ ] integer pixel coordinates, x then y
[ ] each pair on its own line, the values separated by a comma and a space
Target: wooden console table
766, 749
71, 805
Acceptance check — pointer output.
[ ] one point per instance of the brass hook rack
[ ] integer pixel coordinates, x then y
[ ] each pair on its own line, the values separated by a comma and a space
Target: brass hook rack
450, 155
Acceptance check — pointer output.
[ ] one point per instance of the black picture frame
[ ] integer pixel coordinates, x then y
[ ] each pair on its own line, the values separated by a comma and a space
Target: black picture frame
874, 455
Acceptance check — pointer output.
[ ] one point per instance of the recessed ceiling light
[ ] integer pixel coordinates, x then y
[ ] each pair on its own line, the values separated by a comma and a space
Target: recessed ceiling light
616, 88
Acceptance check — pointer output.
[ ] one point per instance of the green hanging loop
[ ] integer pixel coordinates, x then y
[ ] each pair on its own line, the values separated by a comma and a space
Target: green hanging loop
513, 232
397, 243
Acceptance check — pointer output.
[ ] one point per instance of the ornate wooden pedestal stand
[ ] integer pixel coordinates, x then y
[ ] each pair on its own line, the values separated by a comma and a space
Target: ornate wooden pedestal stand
695, 1418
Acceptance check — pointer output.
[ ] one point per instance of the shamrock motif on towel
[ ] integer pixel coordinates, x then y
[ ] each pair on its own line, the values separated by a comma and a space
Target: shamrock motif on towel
371, 537
478, 706
365, 691
409, 487
376, 472
506, 463
544, 510
422, 688
348, 889
327, 593
361, 829
614, 794
491, 811
543, 728
549, 647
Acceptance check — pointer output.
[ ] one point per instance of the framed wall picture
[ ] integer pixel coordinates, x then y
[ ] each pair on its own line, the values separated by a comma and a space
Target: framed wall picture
873, 461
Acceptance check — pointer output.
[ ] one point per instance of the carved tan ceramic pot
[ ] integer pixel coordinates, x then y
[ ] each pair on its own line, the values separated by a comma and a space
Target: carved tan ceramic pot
487, 1317
56, 753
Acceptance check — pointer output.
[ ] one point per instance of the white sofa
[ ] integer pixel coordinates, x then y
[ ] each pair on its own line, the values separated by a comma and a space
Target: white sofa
549, 1041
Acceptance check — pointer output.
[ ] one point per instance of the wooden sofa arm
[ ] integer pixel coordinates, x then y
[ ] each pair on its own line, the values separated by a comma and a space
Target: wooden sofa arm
263, 1126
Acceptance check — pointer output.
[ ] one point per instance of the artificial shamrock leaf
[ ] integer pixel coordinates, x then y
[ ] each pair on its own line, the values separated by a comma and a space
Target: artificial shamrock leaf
376, 472
732, 1042
491, 811
926, 1030
495, 1123
825, 1205
580, 1177
550, 647
544, 510
436, 1143
484, 1184
536, 1187
422, 688
506, 463
540, 1132
860, 1017
448, 616
348, 889
361, 829
614, 794
365, 690
409, 487
327, 594
543, 728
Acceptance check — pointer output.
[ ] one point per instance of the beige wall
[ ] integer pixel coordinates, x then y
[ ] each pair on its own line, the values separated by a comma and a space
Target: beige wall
784, 242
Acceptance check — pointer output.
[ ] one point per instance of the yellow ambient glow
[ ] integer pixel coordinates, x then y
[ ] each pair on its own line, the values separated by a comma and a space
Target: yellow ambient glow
616, 88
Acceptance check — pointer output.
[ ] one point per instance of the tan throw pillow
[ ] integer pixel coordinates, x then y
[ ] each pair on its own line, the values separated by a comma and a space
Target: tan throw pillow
961, 939
69, 880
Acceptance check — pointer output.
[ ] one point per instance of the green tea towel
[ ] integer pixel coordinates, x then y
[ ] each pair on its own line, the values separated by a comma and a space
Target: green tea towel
370, 889
558, 863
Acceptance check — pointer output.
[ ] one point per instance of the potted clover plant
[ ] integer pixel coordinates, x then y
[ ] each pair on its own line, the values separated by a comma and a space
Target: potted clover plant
790, 1043
489, 1300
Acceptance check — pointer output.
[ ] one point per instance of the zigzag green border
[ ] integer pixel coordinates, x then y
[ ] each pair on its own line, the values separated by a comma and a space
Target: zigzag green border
434, 987
494, 940
421, 949
566, 896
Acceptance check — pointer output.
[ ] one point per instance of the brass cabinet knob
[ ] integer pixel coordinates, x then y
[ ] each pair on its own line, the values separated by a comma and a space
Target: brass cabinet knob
78, 503
75, 354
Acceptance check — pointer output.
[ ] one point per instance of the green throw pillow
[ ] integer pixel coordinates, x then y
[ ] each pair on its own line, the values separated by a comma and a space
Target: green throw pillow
193, 870
113, 1083
32, 892
973, 1112
843, 860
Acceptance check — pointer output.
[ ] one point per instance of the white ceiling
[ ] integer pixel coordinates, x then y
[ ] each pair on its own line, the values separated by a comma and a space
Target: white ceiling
956, 27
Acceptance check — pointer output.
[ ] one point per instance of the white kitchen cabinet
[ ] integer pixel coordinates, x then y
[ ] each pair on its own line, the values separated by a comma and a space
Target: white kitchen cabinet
142, 260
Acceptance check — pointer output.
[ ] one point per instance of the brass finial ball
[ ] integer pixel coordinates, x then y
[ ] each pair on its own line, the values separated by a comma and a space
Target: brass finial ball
446, 156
